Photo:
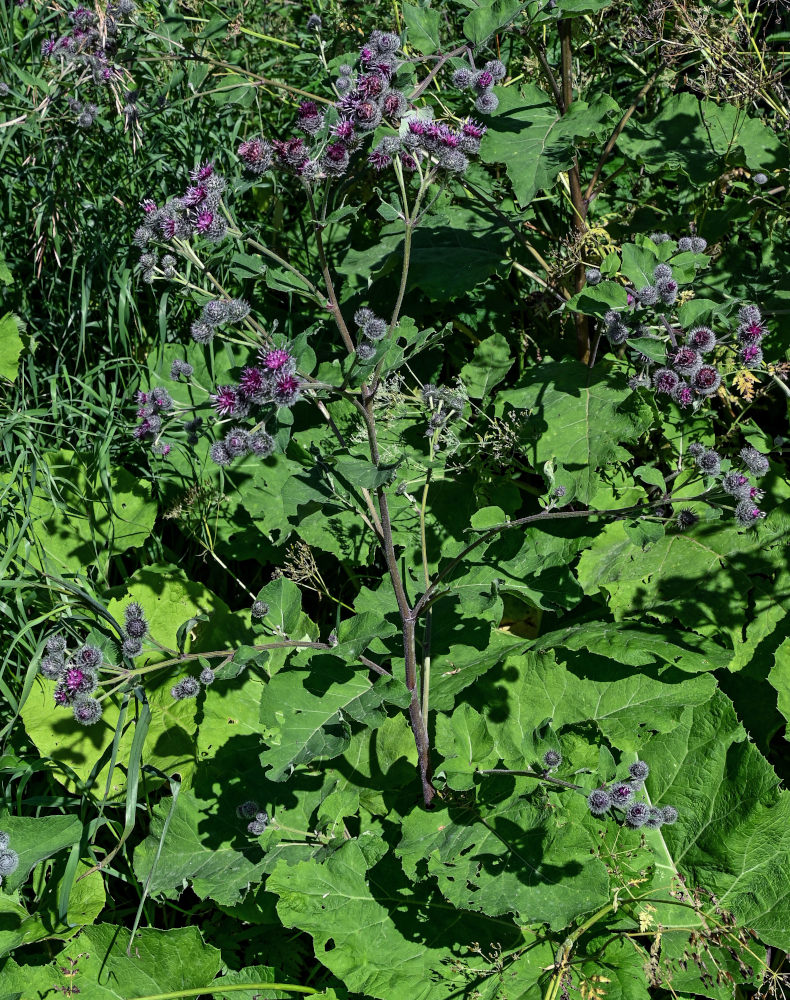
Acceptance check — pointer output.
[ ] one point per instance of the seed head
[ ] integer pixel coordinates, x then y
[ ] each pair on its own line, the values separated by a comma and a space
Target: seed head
686, 518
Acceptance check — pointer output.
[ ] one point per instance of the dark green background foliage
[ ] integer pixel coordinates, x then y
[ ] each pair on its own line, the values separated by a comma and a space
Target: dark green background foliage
610, 637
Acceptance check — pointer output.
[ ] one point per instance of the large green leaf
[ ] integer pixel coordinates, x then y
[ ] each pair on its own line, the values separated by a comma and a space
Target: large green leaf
204, 846
577, 418
372, 928
535, 142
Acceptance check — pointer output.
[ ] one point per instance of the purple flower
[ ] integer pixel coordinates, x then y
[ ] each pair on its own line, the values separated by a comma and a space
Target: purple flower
379, 160
706, 380
225, 400
665, 380
621, 793
194, 195
747, 513
74, 677
276, 360
483, 80
202, 172
204, 221
148, 205
598, 801
257, 154
683, 394
686, 361
408, 162
637, 814
751, 354
702, 339
286, 390
254, 383
737, 485
751, 332
343, 129
473, 129
394, 104
61, 696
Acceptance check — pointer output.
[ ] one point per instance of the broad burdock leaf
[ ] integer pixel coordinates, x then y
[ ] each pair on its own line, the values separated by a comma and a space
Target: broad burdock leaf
369, 924
205, 846
490, 363
577, 417
34, 839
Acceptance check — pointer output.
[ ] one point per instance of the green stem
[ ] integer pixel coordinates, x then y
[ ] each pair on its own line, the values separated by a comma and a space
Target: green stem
236, 988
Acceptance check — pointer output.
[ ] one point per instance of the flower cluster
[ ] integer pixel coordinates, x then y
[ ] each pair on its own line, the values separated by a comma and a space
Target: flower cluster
76, 678
190, 687
217, 313
135, 630
368, 99
371, 329
444, 406
273, 380
735, 483
481, 82
195, 213
9, 860
258, 817
89, 45
621, 796
151, 407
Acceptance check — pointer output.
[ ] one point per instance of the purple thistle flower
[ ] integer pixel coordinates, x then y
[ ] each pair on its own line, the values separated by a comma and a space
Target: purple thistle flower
667, 290
473, 129
286, 390
683, 394
702, 339
343, 129
686, 361
148, 205
706, 380
751, 332
637, 815
257, 154
394, 104
225, 400
88, 656
737, 485
61, 696
254, 383
665, 380
276, 359
204, 221
483, 80
751, 354
379, 160
169, 228
194, 195
202, 172
747, 513
74, 678
755, 461
408, 162
48, 46
336, 158
621, 793
370, 86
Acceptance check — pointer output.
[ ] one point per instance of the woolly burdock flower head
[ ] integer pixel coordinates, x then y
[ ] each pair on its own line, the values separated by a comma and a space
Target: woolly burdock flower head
639, 770
701, 339
750, 355
747, 513
365, 351
496, 68
709, 462
187, 687
131, 647
255, 383
592, 275
706, 380
463, 78
698, 244
667, 291
87, 711
52, 667
236, 442
661, 272
259, 610
9, 862
622, 793
737, 485
88, 656
225, 400
207, 676
287, 389
754, 461
276, 360
179, 368
258, 825
257, 154
686, 518
683, 394
637, 814
599, 801
201, 332
260, 444
669, 815
686, 361
219, 454
665, 380
248, 809
647, 296
655, 818
56, 644
760, 178
552, 759
487, 103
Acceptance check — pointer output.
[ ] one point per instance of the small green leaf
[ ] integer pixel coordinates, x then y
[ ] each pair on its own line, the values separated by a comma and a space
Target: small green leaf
423, 28
10, 346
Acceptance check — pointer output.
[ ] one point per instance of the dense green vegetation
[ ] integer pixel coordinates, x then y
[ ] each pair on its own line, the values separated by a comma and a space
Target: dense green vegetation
394, 502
